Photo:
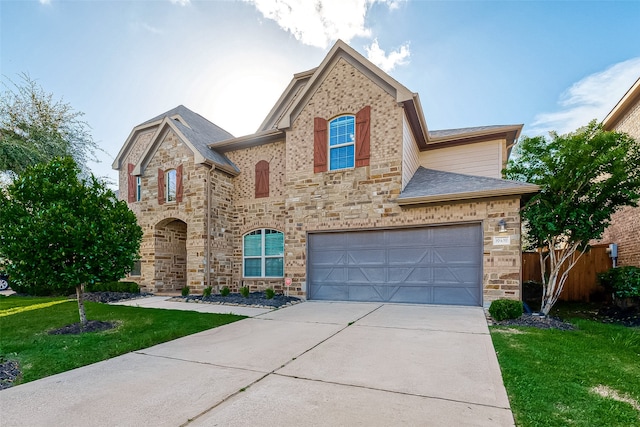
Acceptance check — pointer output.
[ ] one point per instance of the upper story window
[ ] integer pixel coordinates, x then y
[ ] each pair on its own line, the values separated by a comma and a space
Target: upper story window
170, 185
263, 253
138, 188
170, 181
342, 141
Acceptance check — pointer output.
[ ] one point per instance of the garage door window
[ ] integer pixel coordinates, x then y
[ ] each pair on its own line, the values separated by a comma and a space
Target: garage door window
263, 253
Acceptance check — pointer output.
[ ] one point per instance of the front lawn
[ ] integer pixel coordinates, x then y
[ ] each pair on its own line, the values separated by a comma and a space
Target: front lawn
586, 377
25, 321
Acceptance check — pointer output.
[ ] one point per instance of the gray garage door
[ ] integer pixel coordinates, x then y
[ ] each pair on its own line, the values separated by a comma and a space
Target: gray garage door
430, 265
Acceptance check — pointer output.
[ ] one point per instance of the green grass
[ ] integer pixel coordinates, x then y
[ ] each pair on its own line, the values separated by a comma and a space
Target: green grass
550, 375
24, 337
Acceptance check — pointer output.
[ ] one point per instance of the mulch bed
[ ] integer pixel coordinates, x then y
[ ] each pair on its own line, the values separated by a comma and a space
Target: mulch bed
254, 299
540, 322
9, 372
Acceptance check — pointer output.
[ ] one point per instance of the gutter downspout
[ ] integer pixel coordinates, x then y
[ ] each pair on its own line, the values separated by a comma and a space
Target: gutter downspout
208, 251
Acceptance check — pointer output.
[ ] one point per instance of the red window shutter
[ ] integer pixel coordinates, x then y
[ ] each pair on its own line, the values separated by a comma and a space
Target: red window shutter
363, 138
131, 184
179, 187
262, 179
319, 145
160, 187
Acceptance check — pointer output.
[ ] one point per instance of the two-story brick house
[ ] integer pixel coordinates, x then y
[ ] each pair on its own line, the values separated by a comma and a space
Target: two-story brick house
343, 190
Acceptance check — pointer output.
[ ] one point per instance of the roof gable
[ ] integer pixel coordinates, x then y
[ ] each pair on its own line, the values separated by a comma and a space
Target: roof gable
340, 50
194, 131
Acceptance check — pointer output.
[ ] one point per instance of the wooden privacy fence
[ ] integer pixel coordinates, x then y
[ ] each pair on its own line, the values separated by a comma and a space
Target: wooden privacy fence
582, 281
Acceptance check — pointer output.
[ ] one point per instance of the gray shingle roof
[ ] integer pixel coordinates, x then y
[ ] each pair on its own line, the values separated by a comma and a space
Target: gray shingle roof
430, 185
461, 131
200, 132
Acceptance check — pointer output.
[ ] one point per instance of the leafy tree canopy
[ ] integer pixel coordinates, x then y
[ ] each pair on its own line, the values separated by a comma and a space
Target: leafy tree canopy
35, 128
584, 176
57, 229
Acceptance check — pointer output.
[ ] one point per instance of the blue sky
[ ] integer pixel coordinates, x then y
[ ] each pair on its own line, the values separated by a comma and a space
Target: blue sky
551, 65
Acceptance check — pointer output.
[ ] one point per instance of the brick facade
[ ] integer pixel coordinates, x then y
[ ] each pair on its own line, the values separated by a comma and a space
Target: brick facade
625, 224
300, 201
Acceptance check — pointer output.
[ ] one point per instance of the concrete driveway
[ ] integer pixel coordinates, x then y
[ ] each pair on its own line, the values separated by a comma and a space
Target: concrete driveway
316, 363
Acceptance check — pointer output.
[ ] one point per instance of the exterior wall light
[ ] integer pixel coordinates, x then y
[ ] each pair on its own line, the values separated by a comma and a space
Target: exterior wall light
503, 226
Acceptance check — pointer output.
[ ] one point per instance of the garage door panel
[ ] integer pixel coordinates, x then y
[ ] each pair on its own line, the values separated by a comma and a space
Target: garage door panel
458, 255
366, 275
364, 239
367, 256
408, 255
367, 292
330, 275
453, 295
411, 294
330, 292
438, 264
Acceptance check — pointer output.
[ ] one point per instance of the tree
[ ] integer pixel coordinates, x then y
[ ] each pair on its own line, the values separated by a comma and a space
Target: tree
57, 229
35, 128
585, 176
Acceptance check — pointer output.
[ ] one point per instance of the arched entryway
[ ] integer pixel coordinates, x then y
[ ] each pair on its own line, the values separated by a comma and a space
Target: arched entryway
170, 255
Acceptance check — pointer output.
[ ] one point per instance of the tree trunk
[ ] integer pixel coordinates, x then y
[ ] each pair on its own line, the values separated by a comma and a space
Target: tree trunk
83, 315
553, 286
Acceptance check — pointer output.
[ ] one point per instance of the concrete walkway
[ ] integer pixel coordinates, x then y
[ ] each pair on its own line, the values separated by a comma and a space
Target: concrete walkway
315, 363
164, 302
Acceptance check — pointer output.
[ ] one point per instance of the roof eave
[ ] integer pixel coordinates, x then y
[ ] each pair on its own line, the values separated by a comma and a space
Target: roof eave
483, 194
630, 97
246, 141
510, 133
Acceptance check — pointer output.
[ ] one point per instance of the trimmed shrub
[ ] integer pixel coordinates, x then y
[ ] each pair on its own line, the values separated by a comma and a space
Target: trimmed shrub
207, 291
269, 293
185, 291
225, 291
503, 309
622, 282
244, 291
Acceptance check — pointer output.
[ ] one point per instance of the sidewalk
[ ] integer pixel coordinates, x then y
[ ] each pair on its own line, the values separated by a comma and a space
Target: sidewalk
163, 302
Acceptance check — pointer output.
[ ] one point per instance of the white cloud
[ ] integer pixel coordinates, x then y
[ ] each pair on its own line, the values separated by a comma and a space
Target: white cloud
388, 61
143, 26
320, 22
45, 1
593, 97
181, 2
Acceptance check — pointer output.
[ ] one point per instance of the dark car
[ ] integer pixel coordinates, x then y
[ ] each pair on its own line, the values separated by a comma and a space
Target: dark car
4, 282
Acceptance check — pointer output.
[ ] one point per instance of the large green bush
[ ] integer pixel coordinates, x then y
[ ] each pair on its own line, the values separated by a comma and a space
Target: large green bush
129, 287
622, 282
503, 309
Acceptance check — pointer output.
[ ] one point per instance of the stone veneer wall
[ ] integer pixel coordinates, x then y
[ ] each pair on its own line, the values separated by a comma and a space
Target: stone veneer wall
152, 217
365, 197
625, 224
251, 213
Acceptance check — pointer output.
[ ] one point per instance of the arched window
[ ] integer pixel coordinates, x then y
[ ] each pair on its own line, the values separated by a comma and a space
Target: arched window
263, 253
342, 140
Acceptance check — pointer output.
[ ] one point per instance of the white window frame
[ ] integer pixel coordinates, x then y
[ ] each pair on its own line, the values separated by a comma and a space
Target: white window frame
167, 181
344, 144
138, 188
263, 257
